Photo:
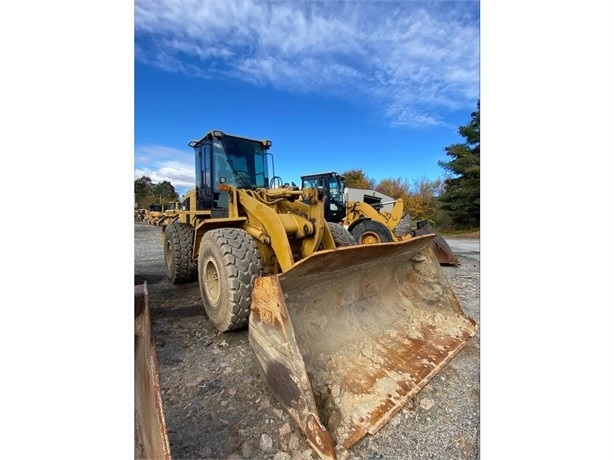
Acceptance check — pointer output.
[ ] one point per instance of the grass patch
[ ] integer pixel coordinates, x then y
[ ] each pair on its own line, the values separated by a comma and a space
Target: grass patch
469, 234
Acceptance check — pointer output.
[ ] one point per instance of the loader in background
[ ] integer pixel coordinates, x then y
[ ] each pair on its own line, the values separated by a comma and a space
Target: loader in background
161, 214
171, 211
343, 334
155, 214
370, 219
187, 203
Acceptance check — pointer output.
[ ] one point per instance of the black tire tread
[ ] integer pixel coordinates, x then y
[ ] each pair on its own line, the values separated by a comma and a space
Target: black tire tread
341, 235
184, 269
241, 265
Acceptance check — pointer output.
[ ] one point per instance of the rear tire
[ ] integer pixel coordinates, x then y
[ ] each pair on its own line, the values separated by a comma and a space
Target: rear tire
371, 232
341, 235
178, 240
228, 264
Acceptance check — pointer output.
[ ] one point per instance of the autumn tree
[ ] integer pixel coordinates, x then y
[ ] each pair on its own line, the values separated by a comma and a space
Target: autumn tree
395, 188
419, 198
422, 200
356, 178
461, 198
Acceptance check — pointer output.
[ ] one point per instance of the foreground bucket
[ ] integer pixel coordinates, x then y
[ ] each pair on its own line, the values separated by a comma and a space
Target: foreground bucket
151, 435
347, 336
439, 245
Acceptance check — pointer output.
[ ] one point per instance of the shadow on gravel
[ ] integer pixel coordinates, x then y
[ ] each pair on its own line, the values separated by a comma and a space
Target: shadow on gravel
151, 279
183, 312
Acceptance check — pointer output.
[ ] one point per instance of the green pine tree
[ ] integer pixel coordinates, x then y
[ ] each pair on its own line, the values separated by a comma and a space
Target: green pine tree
461, 198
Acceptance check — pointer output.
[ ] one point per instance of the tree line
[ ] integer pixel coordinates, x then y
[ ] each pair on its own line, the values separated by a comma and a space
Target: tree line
146, 193
450, 204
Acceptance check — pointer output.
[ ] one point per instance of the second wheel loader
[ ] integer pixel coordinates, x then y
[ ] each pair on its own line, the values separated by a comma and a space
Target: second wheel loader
343, 334
368, 221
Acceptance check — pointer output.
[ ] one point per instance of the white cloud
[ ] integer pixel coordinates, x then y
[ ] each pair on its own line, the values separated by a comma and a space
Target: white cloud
411, 59
165, 164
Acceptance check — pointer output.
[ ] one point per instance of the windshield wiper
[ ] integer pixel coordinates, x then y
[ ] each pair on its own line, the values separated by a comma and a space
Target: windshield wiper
243, 177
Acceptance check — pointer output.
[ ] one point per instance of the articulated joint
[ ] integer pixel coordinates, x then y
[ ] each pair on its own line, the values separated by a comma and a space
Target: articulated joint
296, 225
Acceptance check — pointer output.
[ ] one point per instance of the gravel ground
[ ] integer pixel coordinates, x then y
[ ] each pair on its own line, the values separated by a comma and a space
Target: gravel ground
218, 407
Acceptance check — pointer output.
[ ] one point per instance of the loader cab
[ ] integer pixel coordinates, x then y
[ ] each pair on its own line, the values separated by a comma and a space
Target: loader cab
225, 159
188, 201
333, 184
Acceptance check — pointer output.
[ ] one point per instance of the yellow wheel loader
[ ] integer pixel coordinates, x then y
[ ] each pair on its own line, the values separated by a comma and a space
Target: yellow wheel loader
367, 219
155, 214
171, 210
343, 334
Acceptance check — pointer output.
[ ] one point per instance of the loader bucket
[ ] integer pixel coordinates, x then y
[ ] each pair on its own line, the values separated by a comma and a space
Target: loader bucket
442, 249
151, 435
347, 336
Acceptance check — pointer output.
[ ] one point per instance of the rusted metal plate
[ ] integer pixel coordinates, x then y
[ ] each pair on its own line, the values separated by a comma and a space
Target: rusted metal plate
346, 337
281, 364
151, 426
439, 245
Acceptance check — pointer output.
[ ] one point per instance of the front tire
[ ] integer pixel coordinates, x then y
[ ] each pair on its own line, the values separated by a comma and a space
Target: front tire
178, 240
371, 232
228, 264
341, 235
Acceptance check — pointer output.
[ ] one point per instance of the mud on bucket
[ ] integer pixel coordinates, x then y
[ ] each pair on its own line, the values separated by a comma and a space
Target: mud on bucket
347, 336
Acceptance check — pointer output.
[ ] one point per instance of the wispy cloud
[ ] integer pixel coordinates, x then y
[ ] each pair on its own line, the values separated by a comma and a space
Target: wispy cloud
165, 164
410, 59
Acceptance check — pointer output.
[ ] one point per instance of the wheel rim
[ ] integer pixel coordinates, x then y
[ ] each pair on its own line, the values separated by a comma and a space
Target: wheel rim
369, 238
212, 281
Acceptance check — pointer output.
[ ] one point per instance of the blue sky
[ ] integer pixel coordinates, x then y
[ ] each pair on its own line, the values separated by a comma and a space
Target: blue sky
380, 86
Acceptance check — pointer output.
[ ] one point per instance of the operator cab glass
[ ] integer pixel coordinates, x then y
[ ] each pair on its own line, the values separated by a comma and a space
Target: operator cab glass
311, 183
335, 203
240, 162
336, 189
333, 184
234, 161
